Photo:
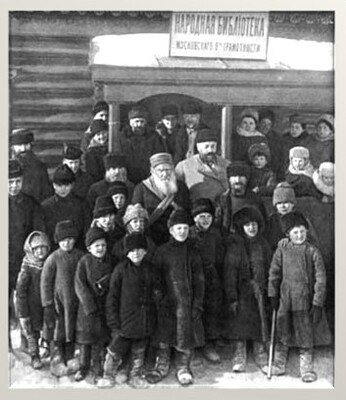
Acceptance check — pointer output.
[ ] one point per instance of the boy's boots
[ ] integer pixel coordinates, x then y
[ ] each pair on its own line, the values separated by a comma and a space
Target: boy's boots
182, 365
71, 361
260, 354
161, 367
34, 351
306, 364
84, 361
57, 364
280, 360
110, 367
239, 358
137, 379
210, 353
98, 354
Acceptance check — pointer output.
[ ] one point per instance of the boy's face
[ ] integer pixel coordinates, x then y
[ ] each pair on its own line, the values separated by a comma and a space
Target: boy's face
136, 255
15, 185
180, 232
248, 124
72, 164
138, 125
238, 185
298, 234
106, 221
203, 221
284, 208
103, 114
116, 174
191, 120
323, 130
67, 244
62, 190
98, 248
20, 148
101, 137
259, 161
298, 163
119, 200
40, 252
265, 125
327, 178
296, 129
137, 224
170, 121
251, 229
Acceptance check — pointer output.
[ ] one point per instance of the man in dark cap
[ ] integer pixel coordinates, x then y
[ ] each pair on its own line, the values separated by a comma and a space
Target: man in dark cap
138, 143
35, 176
204, 173
168, 127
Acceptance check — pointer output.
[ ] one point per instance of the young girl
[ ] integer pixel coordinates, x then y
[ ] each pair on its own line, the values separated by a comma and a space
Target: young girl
28, 298
323, 179
297, 289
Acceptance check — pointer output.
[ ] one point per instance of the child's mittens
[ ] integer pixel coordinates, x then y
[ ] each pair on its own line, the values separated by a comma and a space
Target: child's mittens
233, 308
274, 303
49, 316
316, 314
25, 324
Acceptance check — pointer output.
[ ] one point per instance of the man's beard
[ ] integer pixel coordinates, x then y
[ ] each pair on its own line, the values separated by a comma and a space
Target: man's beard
209, 158
238, 190
166, 187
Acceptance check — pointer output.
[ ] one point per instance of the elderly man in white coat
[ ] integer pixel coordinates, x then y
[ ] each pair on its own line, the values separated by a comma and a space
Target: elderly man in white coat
204, 173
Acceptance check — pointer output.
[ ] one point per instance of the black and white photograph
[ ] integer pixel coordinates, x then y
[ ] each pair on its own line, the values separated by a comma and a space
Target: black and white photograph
171, 199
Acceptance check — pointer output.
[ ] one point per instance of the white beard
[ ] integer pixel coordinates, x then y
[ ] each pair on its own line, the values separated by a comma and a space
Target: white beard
164, 187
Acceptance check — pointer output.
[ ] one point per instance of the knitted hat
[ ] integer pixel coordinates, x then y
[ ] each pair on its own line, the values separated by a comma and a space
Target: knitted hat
98, 125
39, 239
299, 152
114, 160
138, 112
238, 168
249, 112
202, 205
245, 215
63, 175
259, 148
206, 135
298, 119
14, 169
293, 219
327, 119
118, 187
72, 153
94, 234
135, 211
100, 106
191, 107
135, 241
284, 193
266, 114
160, 158
65, 229
326, 167
179, 216
21, 136
169, 109
103, 206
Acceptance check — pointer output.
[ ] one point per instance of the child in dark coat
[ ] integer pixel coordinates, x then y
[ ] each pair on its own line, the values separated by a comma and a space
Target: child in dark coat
28, 299
130, 312
92, 277
245, 277
96, 150
59, 299
297, 289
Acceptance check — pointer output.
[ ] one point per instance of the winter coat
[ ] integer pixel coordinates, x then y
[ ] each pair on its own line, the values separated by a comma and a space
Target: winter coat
158, 231
263, 178
130, 305
24, 216
138, 149
169, 140
82, 184
94, 165
211, 249
246, 265
118, 251
297, 276
57, 289
320, 150
91, 286
35, 177
288, 142
58, 208
276, 154
303, 185
202, 180
241, 144
182, 281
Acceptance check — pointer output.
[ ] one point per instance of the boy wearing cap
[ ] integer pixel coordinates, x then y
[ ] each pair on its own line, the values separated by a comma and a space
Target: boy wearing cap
209, 243
262, 180
58, 296
28, 299
35, 176
119, 193
180, 310
130, 312
297, 289
204, 173
91, 283
168, 127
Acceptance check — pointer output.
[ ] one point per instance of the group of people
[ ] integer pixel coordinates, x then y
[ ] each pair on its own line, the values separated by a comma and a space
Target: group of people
164, 248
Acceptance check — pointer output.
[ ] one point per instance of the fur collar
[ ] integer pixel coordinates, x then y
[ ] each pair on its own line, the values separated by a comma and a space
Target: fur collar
321, 186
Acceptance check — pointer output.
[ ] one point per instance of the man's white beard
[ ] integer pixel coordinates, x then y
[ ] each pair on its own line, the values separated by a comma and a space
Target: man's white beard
166, 187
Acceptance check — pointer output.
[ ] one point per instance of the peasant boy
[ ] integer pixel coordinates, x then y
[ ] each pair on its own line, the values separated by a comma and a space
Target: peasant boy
323, 179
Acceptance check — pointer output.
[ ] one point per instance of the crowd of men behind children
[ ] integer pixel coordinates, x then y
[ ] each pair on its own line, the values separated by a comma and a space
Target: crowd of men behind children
128, 260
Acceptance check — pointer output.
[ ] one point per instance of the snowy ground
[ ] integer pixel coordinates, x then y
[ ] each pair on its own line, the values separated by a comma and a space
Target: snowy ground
206, 375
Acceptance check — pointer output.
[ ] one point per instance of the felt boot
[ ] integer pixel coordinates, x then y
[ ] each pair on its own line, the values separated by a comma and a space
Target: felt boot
161, 367
57, 364
260, 354
84, 361
306, 364
182, 365
210, 354
110, 367
240, 356
137, 379
280, 360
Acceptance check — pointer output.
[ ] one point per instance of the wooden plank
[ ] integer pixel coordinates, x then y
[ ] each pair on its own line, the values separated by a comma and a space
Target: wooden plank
226, 131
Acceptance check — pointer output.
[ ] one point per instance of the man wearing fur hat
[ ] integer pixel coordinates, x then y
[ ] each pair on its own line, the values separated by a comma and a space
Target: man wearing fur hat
35, 176
138, 143
160, 194
204, 173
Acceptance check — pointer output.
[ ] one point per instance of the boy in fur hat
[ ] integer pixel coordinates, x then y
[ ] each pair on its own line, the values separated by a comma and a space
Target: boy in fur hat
180, 310
130, 301
28, 299
91, 284
168, 127
58, 296
262, 180
297, 289
323, 179
245, 277
119, 193
209, 243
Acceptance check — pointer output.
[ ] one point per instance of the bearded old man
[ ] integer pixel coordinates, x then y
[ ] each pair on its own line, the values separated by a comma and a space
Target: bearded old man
160, 194
204, 173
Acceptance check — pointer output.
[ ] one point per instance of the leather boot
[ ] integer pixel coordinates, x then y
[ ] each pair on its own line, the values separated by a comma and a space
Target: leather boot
182, 365
240, 356
306, 364
260, 354
84, 360
34, 351
110, 367
161, 368
137, 379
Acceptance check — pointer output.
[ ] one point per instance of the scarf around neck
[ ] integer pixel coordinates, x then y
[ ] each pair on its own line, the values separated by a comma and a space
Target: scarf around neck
307, 171
244, 133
